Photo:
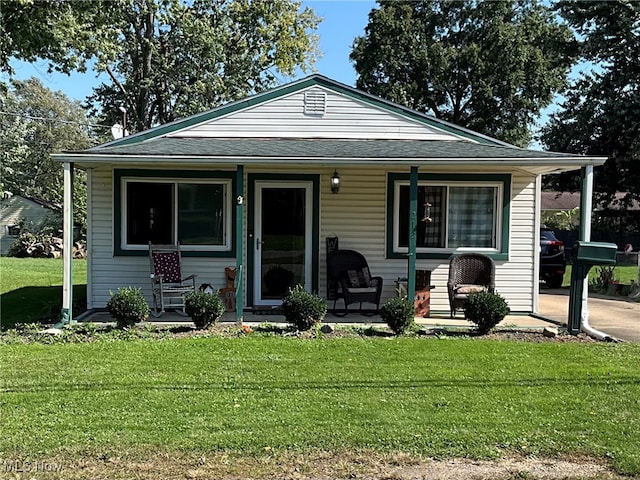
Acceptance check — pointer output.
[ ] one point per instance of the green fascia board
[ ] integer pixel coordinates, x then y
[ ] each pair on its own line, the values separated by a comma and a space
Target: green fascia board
504, 178
252, 178
313, 80
169, 174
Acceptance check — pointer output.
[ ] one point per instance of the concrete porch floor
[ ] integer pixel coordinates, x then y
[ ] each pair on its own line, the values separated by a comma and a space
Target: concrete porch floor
516, 322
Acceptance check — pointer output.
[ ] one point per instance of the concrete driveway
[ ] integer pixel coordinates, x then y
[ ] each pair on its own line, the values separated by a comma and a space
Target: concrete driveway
617, 317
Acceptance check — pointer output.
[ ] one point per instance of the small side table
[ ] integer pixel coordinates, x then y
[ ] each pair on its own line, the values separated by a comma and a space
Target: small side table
422, 299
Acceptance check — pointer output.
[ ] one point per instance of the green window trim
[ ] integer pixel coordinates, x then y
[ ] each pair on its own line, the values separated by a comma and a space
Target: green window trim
170, 175
501, 253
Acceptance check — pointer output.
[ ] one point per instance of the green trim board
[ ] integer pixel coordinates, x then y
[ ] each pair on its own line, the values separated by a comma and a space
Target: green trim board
239, 241
252, 178
281, 91
118, 174
505, 179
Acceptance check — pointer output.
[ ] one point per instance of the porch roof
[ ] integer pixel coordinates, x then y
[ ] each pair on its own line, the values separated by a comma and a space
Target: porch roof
324, 151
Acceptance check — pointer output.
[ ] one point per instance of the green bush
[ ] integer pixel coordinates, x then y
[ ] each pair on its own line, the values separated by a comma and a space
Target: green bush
203, 308
398, 314
486, 310
128, 306
303, 309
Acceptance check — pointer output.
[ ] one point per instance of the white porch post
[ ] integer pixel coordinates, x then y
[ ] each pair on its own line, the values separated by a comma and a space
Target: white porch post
586, 207
67, 246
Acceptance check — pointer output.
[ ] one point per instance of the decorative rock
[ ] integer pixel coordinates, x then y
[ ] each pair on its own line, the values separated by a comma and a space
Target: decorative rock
326, 328
550, 332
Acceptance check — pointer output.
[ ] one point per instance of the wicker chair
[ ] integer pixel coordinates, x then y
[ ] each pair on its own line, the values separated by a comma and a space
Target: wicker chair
469, 273
350, 271
167, 283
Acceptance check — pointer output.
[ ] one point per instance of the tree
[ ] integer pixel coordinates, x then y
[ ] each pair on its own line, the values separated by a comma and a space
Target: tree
36, 122
178, 58
488, 66
67, 33
166, 58
600, 113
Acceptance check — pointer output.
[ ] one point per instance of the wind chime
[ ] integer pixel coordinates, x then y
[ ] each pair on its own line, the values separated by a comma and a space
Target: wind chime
427, 213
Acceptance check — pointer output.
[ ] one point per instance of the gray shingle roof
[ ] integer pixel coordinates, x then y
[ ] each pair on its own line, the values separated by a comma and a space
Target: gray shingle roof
320, 148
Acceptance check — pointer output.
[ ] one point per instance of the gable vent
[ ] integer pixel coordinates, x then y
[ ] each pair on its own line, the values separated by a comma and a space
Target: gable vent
315, 103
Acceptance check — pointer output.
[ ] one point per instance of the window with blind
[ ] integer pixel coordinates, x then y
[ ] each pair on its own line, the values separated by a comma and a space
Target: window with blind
453, 215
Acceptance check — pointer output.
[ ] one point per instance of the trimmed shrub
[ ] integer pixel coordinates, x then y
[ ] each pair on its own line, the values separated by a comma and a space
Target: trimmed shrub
486, 310
128, 306
398, 314
204, 308
303, 309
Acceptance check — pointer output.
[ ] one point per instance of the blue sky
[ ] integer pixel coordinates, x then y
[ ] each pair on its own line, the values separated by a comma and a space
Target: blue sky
343, 20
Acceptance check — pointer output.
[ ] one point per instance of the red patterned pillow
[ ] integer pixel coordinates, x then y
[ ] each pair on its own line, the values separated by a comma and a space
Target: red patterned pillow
167, 264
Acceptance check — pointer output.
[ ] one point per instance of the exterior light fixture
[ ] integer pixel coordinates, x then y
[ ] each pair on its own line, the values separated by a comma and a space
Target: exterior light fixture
335, 182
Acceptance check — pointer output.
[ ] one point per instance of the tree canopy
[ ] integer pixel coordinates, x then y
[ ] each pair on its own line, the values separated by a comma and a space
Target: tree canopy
600, 113
166, 58
488, 66
36, 122
67, 33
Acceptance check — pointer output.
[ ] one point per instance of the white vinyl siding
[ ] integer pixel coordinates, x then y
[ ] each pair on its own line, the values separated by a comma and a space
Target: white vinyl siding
357, 215
344, 117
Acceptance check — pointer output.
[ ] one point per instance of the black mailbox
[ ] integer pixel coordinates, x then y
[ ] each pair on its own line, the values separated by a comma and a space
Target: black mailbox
585, 255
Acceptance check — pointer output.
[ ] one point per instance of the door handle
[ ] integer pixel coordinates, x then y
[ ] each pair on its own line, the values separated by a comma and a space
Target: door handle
258, 243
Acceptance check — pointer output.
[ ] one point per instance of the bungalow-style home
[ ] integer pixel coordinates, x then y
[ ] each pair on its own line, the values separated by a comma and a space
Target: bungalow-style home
16, 210
264, 182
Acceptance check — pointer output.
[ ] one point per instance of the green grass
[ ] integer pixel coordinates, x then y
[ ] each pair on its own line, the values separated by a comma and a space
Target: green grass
31, 289
623, 274
436, 397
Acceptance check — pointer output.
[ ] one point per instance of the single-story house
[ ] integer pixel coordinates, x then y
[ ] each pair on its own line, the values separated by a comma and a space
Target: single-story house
249, 184
16, 210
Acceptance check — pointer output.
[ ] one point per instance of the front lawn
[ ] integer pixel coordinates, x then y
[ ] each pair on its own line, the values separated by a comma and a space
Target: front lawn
31, 289
256, 395
623, 274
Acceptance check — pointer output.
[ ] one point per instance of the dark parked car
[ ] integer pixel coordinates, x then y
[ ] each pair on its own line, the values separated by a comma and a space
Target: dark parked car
552, 261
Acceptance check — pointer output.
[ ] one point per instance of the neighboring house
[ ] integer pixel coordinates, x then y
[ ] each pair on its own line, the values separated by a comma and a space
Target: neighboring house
613, 223
15, 209
559, 202
249, 184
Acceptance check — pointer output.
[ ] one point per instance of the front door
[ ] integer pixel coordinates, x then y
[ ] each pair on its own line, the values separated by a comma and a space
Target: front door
282, 239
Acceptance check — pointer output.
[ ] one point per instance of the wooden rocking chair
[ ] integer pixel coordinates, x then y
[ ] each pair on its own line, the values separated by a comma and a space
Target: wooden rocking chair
167, 283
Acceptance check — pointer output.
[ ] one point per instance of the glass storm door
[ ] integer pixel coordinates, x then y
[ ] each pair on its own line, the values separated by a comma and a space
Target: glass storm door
283, 217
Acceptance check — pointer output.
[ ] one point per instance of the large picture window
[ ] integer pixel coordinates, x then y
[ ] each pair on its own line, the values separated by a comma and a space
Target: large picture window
453, 214
194, 212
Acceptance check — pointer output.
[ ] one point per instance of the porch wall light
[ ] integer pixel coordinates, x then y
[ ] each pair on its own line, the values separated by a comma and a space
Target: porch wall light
335, 182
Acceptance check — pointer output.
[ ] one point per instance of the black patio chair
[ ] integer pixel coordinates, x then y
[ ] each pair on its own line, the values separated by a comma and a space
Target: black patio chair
350, 271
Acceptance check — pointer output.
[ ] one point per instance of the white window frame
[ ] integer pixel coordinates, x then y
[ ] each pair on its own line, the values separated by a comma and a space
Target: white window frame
498, 202
226, 183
